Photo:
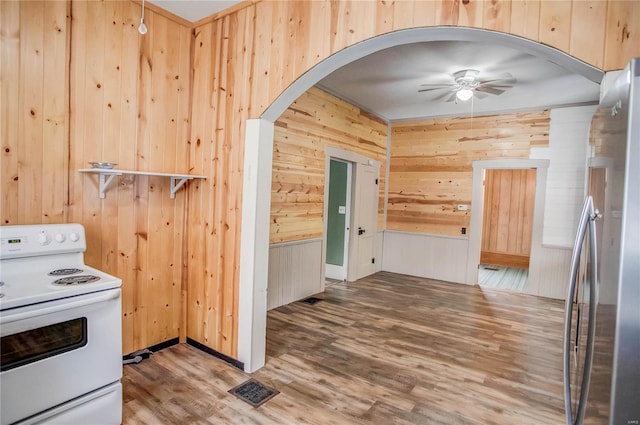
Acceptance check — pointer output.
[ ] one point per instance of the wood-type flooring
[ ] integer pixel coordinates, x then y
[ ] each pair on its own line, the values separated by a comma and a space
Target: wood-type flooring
388, 349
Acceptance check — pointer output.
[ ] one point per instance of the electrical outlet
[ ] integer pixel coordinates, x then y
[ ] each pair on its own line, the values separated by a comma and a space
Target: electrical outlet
463, 207
463, 230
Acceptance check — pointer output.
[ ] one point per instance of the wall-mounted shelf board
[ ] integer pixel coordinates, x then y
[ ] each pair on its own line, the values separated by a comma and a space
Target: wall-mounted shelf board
107, 175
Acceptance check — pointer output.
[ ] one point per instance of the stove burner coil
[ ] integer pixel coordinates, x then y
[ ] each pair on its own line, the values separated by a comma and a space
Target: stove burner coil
64, 272
76, 280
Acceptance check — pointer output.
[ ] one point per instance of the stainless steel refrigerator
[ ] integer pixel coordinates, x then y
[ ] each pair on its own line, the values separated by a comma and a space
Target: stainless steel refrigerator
602, 328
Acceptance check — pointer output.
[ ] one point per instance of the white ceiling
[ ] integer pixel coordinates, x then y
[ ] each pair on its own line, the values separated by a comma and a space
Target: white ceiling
386, 83
194, 10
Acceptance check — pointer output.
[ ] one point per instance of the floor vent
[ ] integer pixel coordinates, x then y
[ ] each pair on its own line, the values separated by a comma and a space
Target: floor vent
253, 392
311, 300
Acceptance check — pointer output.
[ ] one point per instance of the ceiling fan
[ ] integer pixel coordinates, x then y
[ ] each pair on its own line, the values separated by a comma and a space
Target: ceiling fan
466, 84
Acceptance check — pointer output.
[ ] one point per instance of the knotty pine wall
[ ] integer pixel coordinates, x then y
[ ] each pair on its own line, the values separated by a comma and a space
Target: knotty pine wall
431, 165
80, 84
314, 121
241, 62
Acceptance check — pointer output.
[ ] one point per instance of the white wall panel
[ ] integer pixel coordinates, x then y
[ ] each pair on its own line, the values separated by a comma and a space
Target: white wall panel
295, 271
549, 276
567, 154
424, 255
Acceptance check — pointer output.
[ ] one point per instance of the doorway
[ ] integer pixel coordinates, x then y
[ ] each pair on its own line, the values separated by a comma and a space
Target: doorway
350, 237
507, 224
258, 162
338, 219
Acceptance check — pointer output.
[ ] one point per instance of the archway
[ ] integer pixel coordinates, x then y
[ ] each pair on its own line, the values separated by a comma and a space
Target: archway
258, 163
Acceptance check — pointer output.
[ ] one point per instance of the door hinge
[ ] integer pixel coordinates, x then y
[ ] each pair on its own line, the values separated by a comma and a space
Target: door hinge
373, 261
376, 181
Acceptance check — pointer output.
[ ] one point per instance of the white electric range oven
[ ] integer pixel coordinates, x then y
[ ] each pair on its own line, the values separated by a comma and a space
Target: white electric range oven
60, 330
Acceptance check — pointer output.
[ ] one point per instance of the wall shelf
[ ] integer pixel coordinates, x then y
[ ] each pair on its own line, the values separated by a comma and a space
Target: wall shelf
106, 176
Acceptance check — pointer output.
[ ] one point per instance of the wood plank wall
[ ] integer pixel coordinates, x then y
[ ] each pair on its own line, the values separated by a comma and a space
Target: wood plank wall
271, 43
130, 105
80, 84
509, 197
241, 62
34, 107
314, 121
431, 165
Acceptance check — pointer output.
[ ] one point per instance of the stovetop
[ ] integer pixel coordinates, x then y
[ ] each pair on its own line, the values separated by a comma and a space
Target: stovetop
43, 263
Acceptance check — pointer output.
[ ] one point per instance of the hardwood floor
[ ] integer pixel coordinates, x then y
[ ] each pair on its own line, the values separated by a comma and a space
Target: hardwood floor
388, 349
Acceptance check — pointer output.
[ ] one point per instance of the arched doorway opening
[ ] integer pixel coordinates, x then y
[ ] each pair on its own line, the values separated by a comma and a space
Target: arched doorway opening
258, 164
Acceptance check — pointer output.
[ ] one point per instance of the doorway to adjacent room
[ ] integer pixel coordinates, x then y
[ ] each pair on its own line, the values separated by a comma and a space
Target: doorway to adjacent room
509, 198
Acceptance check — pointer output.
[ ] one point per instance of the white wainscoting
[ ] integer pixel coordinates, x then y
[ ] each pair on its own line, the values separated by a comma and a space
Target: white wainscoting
295, 271
424, 255
549, 272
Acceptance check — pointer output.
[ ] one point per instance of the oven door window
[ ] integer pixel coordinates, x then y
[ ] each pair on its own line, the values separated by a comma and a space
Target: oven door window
37, 344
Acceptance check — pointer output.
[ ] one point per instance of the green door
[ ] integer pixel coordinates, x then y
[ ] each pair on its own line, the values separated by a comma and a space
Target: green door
336, 215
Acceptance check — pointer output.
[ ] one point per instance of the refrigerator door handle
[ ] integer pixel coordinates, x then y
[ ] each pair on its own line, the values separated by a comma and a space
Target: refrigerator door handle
593, 305
585, 216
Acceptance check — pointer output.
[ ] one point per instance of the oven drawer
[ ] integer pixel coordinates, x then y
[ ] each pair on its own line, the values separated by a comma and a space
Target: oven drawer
57, 351
101, 407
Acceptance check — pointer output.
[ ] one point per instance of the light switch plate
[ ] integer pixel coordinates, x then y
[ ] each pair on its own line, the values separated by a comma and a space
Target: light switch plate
342, 209
462, 207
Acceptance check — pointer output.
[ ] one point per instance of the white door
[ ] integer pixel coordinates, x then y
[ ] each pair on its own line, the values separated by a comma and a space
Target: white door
365, 218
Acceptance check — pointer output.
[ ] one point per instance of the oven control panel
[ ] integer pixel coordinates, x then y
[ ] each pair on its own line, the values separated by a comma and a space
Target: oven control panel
41, 239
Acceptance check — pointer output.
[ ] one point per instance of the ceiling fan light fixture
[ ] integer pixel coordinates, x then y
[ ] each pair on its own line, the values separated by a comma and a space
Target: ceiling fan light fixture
464, 94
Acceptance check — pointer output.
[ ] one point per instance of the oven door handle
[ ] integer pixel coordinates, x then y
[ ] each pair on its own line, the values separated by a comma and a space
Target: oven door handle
96, 298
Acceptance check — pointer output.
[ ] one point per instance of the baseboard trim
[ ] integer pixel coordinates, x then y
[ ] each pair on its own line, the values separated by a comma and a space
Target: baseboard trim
224, 357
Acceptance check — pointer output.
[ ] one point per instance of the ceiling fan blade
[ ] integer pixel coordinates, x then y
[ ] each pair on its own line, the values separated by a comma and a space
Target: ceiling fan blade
434, 88
442, 96
490, 90
480, 95
505, 78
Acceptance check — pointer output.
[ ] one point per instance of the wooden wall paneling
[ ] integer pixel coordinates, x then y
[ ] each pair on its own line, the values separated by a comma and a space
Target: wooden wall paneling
385, 16
30, 121
402, 14
622, 38
447, 12
262, 49
92, 137
184, 88
77, 118
508, 217
277, 48
431, 165
470, 13
10, 111
201, 141
589, 20
127, 147
555, 24
525, 19
497, 15
220, 170
112, 86
424, 13
55, 112
315, 120
243, 66
160, 214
